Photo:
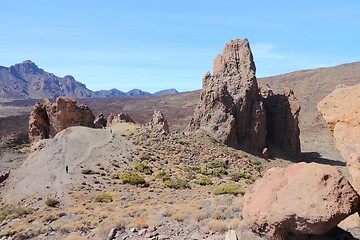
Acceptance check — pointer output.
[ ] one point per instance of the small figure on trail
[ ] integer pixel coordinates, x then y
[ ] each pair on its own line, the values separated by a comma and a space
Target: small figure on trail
67, 169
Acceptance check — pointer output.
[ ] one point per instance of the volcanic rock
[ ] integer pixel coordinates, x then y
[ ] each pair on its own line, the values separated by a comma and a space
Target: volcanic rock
47, 119
233, 108
341, 111
120, 118
282, 114
158, 123
100, 121
304, 198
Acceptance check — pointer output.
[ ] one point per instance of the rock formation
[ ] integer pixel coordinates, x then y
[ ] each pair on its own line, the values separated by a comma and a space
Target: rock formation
158, 123
304, 198
100, 121
120, 118
233, 108
341, 111
47, 119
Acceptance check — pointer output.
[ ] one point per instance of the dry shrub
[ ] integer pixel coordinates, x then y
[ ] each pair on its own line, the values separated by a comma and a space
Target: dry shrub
217, 214
217, 225
178, 216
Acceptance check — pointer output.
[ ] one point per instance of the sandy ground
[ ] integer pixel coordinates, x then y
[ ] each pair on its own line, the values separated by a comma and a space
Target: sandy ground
43, 173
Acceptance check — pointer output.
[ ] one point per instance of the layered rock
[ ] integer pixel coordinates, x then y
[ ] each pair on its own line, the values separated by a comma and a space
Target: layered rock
233, 108
158, 123
119, 118
47, 119
300, 199
341, 111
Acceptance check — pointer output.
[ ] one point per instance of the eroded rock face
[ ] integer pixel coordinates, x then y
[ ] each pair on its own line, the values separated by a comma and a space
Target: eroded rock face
341, 111
282, 112
304, 198
47, 119
158, 123
100, 121
234, 109
120, 118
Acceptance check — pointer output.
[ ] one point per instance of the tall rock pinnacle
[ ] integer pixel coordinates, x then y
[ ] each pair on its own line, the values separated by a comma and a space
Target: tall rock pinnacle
231, 106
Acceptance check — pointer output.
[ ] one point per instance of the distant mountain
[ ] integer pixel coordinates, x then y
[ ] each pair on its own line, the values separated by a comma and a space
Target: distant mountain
27, 81
166, 92
137, 92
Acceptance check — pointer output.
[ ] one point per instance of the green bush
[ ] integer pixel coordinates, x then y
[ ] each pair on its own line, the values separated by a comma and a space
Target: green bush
183, 141
52, 202
236, 176
216, 164
204, 181
255, 162
217, 172
176, 183
229, 189
104, 198
143, 168
132, 178
163, 176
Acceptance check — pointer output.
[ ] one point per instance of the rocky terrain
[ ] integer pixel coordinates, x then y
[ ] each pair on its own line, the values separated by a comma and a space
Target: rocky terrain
134, 173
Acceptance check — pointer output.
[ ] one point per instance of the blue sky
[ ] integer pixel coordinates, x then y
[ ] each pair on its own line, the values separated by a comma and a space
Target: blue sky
153, 45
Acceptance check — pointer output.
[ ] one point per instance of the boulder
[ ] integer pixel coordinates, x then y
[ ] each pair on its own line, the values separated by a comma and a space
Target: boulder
233, 108
341, 111
120, 118
158, 123
47, 119
304, 198
100, 121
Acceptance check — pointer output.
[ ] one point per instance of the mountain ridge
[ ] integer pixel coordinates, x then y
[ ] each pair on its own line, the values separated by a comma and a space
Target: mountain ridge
27, 81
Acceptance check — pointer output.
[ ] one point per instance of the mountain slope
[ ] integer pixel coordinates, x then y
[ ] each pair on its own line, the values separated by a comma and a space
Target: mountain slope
27, 81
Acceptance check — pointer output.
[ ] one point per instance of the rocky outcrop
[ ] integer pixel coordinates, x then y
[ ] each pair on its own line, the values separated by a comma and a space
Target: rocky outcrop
47, 119
100, 121
158, 123
120, 118
341, 111
233, 108
282, 114
304, 198
4, 176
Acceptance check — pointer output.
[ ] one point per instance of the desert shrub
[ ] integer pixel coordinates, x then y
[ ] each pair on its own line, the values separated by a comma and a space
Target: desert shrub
88, 171
104, 198
214, 171
145, 156
236, 176
216, 164
13, 211
143, 168
176, 183
204, 181
52, 202
255, 162
132, 178
183, 141
225, 151
163, 176
229, 189
196, 169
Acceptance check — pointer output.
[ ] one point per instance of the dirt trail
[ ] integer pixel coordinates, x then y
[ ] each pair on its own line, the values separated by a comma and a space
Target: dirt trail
43, 174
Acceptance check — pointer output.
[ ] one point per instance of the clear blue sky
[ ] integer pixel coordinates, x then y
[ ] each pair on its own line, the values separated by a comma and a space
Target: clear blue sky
155, 44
